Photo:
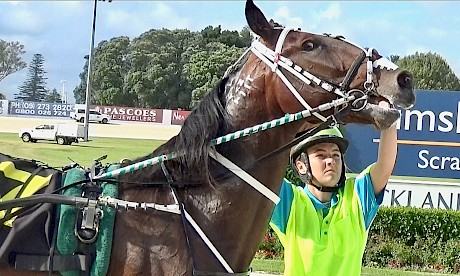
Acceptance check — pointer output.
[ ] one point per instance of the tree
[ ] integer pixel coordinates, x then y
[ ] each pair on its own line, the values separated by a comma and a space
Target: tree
79, 92
206, 67
33, 89
2, 97
156, 65
430, 71
394, 58
109, 70
229, 38
10, 58
53, 97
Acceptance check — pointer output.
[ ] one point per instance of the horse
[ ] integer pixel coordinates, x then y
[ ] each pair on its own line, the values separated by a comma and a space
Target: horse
285, 71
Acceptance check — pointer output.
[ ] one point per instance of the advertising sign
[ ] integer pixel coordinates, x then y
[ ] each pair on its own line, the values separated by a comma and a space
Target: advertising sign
427, 195
428, 138
179, 116
3, 107
40, 109
135, 114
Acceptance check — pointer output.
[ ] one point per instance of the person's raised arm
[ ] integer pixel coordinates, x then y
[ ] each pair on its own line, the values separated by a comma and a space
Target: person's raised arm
383, 169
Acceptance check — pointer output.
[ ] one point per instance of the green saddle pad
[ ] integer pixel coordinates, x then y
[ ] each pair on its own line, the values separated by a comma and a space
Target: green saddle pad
67, 242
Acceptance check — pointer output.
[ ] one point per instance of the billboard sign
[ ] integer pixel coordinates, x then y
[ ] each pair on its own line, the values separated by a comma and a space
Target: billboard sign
39, 109
3, 107
428, 138
178, 116
422, 194
134, 114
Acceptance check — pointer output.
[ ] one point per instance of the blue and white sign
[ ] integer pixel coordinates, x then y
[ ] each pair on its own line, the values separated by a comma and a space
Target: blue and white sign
428, 138
40, 109
3, 107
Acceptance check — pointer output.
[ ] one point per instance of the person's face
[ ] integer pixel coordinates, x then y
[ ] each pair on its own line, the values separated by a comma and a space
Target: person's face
325, 164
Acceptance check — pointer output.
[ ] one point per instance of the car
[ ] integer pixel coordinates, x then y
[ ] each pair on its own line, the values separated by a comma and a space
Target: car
63, 134
94, 116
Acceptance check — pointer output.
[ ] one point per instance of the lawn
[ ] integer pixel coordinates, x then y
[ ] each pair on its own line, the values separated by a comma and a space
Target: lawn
277, 267
82, 153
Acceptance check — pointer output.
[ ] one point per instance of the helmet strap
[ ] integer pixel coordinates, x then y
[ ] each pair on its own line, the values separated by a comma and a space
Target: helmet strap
306, 177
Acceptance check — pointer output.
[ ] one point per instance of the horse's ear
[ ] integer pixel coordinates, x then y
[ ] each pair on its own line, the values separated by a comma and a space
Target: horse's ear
257, 22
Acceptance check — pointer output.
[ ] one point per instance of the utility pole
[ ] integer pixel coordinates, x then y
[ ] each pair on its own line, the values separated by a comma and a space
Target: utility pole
89, 78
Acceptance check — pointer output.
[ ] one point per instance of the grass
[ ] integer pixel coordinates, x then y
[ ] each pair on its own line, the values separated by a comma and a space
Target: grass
82, 153
277, 267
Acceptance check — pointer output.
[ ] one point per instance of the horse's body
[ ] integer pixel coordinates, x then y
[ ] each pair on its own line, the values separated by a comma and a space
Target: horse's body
232, 214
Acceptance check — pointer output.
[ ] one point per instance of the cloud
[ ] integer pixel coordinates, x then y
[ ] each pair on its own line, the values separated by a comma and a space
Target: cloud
125, 18
169, 17
284, 17
332, 12
22, 21
437, 33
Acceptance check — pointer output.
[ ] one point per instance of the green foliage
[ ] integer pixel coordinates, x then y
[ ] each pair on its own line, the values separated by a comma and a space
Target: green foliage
53, 96
2, 97
10, 58
270, 247
409, 224
430, 71
157, 61
226, 37
110, 67
292, 176
207, 66
79, 91
33, 89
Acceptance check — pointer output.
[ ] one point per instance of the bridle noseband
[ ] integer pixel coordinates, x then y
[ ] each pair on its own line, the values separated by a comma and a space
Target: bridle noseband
357, 97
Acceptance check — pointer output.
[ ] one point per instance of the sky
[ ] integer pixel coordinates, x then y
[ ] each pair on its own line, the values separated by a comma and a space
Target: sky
61, 30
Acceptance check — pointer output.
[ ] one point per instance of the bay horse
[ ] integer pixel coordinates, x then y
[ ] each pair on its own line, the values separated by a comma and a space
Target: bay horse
284, 72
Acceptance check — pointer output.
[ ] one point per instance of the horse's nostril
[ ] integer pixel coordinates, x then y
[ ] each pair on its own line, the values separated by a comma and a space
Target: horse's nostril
405, 80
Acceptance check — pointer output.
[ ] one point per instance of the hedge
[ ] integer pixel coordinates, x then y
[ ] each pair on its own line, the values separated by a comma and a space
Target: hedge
402, 237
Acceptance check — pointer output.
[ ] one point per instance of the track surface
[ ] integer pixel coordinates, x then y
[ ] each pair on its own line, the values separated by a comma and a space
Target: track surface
115, 129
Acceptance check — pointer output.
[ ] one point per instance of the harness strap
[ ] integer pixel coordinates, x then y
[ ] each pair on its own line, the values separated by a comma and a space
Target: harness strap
42, 263
245, 176
352, 72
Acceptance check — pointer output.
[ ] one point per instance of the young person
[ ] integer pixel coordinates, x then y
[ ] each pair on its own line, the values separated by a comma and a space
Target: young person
324, 225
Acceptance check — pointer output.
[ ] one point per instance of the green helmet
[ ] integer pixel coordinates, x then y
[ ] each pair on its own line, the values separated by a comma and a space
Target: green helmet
328, 135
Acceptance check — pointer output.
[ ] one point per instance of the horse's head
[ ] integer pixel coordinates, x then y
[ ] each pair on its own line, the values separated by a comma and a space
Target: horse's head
321, 68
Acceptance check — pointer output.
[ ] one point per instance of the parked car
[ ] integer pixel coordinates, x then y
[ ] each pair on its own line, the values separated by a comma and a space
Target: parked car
94, 116
63, 134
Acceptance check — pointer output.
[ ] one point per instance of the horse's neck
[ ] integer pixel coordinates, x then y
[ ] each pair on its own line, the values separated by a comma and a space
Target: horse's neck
233, 203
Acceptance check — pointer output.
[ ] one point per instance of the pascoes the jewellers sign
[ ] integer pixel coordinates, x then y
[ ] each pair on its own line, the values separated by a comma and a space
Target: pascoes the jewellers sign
428, 138
132, 113
39, 109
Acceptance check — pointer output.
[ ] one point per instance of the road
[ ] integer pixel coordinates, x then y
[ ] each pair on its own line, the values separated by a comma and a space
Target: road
118, 129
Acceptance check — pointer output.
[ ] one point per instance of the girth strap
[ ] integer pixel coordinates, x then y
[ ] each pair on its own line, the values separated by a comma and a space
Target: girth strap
60, 262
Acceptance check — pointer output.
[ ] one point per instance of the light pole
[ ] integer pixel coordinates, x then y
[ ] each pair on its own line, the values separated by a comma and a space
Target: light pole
89, 73
64, 96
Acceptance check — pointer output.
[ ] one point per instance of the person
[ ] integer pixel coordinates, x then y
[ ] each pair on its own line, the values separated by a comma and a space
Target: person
323, 226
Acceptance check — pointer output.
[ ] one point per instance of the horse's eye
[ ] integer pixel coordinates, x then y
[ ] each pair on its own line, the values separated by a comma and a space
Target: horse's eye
308, 46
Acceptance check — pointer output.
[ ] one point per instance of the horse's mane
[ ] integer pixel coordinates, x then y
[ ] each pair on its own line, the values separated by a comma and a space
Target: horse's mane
208, 120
